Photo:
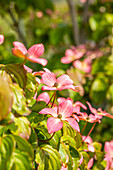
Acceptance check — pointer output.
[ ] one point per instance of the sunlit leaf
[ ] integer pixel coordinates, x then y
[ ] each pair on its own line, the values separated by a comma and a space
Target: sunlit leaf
48, 158
19, 104
23, 145
18, 74
6, 150
6, 96
31, 86
19, 160
21, 127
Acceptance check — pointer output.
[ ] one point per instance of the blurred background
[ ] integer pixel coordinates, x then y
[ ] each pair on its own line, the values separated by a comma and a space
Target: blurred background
78, 25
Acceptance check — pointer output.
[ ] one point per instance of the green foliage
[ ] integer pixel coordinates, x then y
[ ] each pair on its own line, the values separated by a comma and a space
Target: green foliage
21, 127
24, 139
48, 158
6, 96
19, 104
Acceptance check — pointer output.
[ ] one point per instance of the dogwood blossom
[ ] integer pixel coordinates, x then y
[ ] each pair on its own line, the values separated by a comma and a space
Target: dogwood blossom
109, 154
60, 83
32, 54
60, 114
1, 39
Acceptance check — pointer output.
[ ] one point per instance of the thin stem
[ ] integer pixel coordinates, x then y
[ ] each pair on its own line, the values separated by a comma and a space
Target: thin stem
50, 99
46, 139
24, 62
84, 128
90, 131
53, 99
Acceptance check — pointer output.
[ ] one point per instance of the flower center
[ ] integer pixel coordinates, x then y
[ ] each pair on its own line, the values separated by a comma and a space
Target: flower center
27, 54
59, 116
55, 84
99, 113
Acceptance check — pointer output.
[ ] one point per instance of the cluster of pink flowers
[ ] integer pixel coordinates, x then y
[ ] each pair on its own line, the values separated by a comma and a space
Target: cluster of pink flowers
69, 112
65, 109
109, 154
76, 53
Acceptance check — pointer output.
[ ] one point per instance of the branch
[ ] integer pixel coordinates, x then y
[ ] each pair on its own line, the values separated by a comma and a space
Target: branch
16, 23
85, 20
73, 14
85, 12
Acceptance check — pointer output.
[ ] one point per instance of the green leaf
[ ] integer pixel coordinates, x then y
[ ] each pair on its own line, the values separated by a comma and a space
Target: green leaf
31, 86
85, 157
70, 160
99, 89
97, 146
67, 139
6, 150
68, 130
76, 158
6, 96
93, 23
21, 127
23, 145
35, 118
63, 153
99, 65
38, 106
56, 35
48, 158
55, 141
109, 18
99, 156
19, 160
18, 74
8, 120
78, 139
33, 140
2, 129
19, 104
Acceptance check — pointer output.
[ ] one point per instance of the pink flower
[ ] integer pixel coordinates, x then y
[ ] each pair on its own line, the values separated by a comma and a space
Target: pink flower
109, 154
84, 65
32, 54
88, 118
109, 149
99, 113
91, 148
72, 54
43, 97
62, 99
1, 39
29, 70
60, 83
60, 114
90, 163
89, 141
77, 105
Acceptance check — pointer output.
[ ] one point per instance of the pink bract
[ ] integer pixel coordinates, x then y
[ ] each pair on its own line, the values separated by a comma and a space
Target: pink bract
109, 148
29, 70
1, 39
32, 54
109, 154
99, 113
71, 55
60, 114
82, 65
60, 83
43, 97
